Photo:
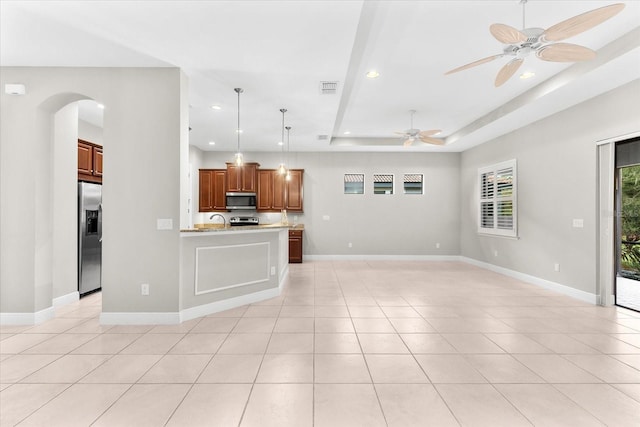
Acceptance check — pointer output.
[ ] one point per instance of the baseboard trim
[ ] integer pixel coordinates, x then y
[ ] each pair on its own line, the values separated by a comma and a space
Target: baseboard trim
174, 318
217, 306
382, 257
547, 284
66, 299
27, 318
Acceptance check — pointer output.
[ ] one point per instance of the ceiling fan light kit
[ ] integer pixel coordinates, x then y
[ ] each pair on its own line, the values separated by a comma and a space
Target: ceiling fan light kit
411, 135
521, 43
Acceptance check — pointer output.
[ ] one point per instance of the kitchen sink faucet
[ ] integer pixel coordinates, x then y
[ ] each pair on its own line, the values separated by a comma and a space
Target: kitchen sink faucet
224, 220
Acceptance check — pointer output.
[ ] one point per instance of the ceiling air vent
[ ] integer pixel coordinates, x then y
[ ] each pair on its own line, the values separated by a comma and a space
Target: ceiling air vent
328, 88
323, 137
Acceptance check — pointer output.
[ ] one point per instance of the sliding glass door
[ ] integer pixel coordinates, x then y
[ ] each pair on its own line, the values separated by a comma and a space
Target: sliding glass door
628, 225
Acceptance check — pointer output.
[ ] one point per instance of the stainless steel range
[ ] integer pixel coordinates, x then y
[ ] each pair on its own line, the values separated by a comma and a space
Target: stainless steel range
243, 220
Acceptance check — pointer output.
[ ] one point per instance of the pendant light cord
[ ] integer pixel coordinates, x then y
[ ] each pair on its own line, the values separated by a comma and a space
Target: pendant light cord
282, 110
524, 3
288, 136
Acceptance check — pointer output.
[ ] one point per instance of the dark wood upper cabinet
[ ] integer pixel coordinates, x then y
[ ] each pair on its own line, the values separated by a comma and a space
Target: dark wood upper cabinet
242, 179
89, 162
294, 189
265, 189
274, 192
212, 190
219, 190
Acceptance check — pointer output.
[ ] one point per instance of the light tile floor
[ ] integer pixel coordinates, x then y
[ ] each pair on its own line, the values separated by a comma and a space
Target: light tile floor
346, 344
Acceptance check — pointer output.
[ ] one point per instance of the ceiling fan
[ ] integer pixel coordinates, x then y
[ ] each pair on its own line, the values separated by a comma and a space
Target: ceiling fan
411, 135
520, 43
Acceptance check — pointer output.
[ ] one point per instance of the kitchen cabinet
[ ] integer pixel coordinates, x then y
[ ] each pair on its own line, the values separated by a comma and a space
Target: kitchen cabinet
275, 193
295, 246
212, 190
242, 179
271, 192
293, 191
89, 162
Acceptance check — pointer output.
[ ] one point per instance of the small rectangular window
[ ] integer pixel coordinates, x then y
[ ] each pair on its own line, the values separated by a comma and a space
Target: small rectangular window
412, 183
498, 202
353, 183
382, 184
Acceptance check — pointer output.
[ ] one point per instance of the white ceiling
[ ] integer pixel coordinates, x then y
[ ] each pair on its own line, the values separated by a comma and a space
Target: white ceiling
280, 51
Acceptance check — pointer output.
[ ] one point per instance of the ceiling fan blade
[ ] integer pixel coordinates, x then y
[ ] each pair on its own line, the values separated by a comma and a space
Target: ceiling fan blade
565, 52
506, 34
581, 23
427, 133
508, 70
434, 141
400, 133
407, 142
473, 64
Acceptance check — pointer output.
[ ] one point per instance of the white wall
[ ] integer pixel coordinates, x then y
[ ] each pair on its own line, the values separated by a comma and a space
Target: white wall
397, 224
65, 201
90, 132
143, 142
557, 182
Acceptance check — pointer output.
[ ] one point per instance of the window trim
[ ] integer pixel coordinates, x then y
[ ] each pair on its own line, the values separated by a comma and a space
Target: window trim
495, 231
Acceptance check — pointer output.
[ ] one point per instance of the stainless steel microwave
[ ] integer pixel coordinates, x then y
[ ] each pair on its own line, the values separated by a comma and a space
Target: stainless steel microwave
241, 201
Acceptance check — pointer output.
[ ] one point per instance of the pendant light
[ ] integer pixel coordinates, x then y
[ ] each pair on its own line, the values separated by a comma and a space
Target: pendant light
238, 160
288, 175
282, 168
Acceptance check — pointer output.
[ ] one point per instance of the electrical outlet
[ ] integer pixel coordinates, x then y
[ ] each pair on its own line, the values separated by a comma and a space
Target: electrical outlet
556, 267
273, 271
350, 245
144, 289
326, 218
495, 253
437, 245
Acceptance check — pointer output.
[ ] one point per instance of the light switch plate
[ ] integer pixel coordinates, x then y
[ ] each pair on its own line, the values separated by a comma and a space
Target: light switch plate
578, 223
326, 217
165, 224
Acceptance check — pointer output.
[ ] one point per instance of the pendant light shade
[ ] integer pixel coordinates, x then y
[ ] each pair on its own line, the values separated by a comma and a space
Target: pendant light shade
282, 169
239, 161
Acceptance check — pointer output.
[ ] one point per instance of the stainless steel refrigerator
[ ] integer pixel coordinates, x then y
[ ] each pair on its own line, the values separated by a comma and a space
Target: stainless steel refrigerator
89, 237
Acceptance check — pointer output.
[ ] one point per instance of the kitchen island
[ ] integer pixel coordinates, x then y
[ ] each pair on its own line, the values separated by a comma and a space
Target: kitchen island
224, 267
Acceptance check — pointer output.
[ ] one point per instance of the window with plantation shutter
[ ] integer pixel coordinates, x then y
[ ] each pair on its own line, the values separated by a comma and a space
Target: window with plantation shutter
497, 205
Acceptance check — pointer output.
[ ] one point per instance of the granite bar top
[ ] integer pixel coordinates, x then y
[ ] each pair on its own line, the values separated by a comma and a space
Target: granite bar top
208, 228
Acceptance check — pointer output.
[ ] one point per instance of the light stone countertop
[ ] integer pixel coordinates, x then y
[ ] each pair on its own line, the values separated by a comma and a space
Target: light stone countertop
209, 228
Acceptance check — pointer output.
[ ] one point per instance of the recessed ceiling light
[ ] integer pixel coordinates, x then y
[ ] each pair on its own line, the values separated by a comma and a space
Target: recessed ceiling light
212, 143
216, 107
527, 75
372, 74
347, 132
101, 106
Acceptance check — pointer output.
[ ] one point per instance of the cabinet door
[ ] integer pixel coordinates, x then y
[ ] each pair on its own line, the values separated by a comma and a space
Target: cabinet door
265, 189
278, 202
234, 178
206, 191
294, 189
219, 190
97, 161
295, 246
85, 158
249, 178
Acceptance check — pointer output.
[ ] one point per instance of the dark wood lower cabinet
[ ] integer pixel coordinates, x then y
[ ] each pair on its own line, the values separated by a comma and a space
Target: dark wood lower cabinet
295, 246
